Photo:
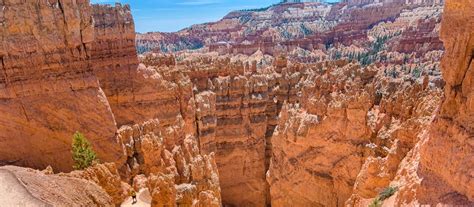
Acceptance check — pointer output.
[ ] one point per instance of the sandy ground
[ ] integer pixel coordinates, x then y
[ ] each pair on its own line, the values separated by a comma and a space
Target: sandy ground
14, 193
143, 199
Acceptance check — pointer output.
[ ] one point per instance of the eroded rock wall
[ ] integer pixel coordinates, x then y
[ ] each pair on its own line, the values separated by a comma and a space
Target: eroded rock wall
156, 113
175, 174
437, 170
48, 89
446, 155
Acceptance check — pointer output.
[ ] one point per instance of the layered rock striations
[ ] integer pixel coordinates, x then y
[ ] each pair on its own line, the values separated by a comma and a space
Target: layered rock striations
156, 116
299, 104
48, 89
55, 63
281, 28
437, 170
332, 129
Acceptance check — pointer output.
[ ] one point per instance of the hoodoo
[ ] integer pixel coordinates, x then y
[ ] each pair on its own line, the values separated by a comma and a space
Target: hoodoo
302, 103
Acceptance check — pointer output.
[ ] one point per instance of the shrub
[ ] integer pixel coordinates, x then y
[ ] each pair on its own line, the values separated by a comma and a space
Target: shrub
376, 203
82, 152
416, 73
386, 193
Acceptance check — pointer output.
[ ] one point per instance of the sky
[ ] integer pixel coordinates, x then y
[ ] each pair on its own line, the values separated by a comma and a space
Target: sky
174, 15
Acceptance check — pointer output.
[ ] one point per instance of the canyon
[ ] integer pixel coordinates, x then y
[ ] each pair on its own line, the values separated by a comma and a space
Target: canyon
296, 104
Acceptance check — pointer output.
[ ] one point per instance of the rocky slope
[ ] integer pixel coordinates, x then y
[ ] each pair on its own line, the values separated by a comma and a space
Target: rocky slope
28, 187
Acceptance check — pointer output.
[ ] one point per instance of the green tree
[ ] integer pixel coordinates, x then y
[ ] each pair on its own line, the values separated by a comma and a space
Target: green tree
82, 152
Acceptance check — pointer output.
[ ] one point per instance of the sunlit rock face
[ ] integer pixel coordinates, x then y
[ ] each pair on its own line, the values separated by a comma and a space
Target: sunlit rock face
56, 58
48, 89
437, 170
173, 173
446, 157
313, 124
284, 27
156, 118
299, 104
114, 59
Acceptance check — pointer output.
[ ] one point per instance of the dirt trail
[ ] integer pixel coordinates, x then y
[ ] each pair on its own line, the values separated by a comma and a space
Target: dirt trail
143, 199
14, 193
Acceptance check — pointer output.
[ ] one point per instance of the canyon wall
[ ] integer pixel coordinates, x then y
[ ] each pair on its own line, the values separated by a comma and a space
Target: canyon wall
446, 156
55, 63
438, 170
310, 128
281, 28
156, 118
327, 122
48, 89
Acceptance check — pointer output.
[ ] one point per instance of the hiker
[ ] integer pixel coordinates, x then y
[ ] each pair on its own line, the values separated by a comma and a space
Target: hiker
134, 196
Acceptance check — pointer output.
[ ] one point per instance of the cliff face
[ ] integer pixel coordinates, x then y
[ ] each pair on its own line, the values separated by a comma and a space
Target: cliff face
48, 89
447, 154
114, 58
438, 169
287, 131
352, 105
156, 118
55, 62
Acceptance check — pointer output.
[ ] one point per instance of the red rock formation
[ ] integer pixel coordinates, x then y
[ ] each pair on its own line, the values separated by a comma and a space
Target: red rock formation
161, 147
280, 131
299, 25
437, 171
47, 88
114, 57
173, 173
447, 155
107, 177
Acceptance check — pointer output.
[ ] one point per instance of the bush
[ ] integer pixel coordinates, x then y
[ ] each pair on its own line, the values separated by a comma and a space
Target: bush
376, 203
386, 193
82, 152
416, 73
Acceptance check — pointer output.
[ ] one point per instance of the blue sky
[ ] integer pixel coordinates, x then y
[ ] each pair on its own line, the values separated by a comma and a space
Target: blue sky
173, 15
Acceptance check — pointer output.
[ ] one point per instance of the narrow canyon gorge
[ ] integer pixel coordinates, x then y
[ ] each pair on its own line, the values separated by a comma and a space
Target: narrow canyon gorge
357, 103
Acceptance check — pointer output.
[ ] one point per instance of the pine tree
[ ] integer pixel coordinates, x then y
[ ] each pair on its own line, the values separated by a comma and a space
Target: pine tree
82, 152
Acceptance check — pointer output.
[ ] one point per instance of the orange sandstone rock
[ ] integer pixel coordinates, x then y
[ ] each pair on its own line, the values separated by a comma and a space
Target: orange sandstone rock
47, 88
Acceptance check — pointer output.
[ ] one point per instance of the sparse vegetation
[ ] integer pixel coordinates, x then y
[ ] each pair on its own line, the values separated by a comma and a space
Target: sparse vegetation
386, 193
82, 152
306, 31
258, 9
373, 54
416, 73
376, 203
